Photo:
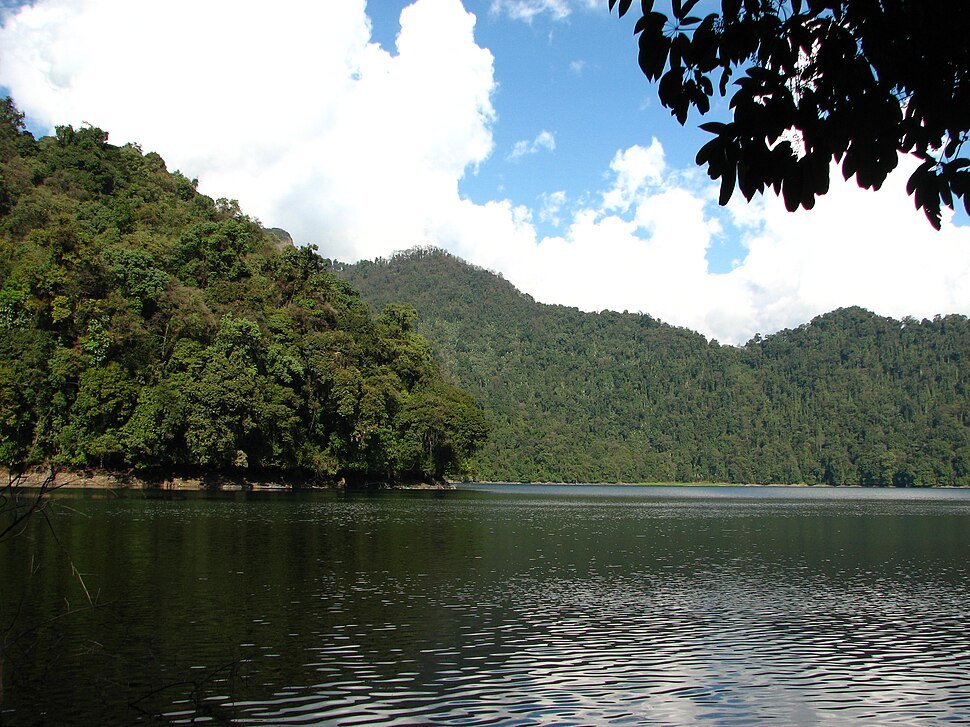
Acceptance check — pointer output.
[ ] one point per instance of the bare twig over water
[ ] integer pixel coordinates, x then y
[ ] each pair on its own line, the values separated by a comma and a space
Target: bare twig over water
19, 503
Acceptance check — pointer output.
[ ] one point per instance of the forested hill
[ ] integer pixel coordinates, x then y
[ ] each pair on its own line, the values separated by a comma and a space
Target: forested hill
145, 325
848, 398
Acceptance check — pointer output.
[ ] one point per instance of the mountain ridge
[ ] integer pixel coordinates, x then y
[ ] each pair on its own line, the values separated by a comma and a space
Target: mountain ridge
846, 398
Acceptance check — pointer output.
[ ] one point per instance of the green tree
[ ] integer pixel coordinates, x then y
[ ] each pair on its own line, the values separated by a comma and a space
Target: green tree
440, 429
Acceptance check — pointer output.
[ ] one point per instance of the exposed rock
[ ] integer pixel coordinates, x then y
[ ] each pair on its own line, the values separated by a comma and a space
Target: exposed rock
284, 237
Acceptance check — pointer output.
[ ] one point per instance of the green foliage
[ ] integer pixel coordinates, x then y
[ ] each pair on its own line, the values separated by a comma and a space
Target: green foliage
439, 426
850, 398
145, 325
136, 273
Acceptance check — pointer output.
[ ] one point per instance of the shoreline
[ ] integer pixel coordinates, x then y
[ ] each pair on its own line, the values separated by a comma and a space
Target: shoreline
97, 479
790, 485
802, 485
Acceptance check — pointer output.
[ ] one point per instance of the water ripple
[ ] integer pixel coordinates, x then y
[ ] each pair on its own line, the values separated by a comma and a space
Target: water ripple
521, 610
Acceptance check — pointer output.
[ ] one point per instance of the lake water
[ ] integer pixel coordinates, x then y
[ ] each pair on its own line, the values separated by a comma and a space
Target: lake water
495, 604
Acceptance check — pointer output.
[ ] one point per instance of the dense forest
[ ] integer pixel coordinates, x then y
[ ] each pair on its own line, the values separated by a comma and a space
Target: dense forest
147, 326
849, 398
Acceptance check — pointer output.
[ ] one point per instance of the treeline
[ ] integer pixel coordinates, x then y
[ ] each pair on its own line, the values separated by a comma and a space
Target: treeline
144, 325
849, 398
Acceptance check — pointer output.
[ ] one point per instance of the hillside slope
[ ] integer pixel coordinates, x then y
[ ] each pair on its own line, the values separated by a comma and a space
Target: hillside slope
849, 398
145, 325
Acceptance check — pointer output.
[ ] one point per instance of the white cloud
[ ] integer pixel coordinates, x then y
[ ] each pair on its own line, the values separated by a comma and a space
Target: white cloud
856, 247
636, 169
577, 67
294, 112
544, 140
643, 248
528, 9
550, 207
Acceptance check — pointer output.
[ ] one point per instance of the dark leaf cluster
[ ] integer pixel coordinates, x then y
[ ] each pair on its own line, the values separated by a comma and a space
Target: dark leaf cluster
855, 81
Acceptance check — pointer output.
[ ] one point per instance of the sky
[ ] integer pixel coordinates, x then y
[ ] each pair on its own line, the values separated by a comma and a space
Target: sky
517, 134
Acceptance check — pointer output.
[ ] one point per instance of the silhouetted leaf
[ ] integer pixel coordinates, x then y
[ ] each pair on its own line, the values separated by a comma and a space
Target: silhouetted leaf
707, 152
792, 190
728, 177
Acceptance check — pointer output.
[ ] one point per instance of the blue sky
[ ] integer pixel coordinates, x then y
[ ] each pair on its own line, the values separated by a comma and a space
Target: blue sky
575, 77
518, 134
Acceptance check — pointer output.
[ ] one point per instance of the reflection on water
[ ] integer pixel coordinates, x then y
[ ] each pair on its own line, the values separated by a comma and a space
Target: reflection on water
515, 606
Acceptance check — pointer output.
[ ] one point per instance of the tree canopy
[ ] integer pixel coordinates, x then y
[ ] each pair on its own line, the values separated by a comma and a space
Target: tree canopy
855, 81
144, 325
850, 398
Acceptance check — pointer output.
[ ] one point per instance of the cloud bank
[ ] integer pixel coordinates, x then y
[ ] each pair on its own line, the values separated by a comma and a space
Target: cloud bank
358, 148
643, 247
294, 112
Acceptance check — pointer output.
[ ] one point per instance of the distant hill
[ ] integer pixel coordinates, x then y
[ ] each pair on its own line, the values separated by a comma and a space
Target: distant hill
849, 398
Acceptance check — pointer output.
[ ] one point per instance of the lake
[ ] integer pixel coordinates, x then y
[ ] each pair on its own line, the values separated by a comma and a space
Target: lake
491, 604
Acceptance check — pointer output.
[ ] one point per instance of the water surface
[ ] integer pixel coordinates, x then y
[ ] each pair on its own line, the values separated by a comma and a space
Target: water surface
493, 604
